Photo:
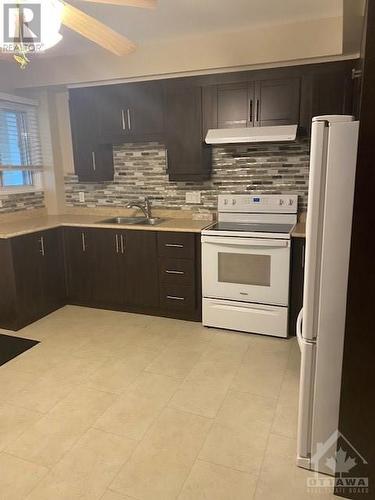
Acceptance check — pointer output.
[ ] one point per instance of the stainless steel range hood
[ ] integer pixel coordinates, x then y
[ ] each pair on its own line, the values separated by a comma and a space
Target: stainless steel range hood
251, 134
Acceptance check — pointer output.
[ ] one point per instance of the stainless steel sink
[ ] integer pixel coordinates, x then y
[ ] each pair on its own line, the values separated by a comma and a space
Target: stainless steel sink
132, 221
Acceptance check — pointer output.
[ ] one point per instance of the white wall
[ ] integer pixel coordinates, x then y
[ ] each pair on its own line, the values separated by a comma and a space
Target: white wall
261, 45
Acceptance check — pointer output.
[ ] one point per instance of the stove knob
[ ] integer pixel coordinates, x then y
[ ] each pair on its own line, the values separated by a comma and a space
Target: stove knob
225, 202
291, 202
281, 202
234, 202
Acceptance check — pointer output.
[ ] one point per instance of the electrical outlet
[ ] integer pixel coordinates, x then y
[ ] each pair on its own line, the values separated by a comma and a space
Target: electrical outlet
81, 196
193, 197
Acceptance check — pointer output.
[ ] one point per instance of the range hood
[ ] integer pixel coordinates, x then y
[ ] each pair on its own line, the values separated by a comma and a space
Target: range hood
251, 134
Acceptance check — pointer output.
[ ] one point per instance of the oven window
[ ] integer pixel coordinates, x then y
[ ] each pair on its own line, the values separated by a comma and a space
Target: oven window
245, 269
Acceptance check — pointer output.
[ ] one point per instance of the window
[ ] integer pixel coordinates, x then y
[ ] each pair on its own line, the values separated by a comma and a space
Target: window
20, 151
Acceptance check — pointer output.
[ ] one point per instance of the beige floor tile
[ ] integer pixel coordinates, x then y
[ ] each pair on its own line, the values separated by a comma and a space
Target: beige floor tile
12, 380
18, 477
177, 361
13, 422
200, 396
261, 372
50, 437
152, 474
214, 482
286, 420
112, 495
87, 469
280, 478
134, 411
116, 375
162, 461
239, 435
43, 393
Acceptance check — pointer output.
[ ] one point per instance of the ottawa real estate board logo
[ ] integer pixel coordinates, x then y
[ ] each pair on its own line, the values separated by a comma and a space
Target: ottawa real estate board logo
341, 459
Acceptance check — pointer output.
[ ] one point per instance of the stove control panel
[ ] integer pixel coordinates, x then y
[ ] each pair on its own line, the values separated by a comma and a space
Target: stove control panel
266, 203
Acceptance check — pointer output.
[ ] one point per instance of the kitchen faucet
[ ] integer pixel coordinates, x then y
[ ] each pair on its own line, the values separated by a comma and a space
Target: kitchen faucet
145, 207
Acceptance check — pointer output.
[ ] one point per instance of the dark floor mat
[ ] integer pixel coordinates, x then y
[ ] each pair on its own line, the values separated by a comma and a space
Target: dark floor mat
10, 347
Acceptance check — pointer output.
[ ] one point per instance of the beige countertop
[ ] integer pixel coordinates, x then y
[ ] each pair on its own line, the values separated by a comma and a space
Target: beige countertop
32, 225
299, 230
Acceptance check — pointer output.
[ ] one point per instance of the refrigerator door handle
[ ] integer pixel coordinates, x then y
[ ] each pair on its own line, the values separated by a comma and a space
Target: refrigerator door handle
299, 329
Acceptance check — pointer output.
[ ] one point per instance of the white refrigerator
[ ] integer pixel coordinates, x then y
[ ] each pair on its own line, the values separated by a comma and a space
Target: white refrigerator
321, 322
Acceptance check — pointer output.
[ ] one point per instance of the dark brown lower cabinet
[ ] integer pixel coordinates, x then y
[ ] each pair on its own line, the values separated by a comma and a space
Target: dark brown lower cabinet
33, 283
79, 264
296, 282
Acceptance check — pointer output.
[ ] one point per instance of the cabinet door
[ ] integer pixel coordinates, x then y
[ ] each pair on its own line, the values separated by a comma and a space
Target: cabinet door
235, 106
83, 115
108, 270
188, 159
113, 106
277, 102
141, 268
144, 116
93, 163
79, 265
52, 268
27, 254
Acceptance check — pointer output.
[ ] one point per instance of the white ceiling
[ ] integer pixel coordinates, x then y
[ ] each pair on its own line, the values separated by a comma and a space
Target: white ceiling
183, 18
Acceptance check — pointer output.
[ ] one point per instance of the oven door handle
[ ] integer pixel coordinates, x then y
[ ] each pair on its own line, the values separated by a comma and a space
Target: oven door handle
245, 242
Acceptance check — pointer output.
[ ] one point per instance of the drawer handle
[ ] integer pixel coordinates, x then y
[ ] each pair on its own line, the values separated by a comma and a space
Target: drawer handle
172, 297
174, 272
174, 245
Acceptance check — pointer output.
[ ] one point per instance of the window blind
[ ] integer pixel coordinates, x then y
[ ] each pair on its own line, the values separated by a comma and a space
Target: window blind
20, 147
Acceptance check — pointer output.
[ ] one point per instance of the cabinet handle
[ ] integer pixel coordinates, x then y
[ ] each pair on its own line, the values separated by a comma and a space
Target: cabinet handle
41, 240
174, 245
257, 111
122, 243
174, 272
93, 156
173, 297
83, 238
123, 120
129, 120
251, 111
117, 244
166, 159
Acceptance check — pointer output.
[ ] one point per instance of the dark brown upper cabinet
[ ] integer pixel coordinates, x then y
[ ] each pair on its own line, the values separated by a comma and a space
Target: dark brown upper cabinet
130, 112
93, 159
253, 104
277, 102
188, 158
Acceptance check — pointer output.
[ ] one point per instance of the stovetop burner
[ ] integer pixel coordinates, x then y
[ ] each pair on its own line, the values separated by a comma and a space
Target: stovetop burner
252, 227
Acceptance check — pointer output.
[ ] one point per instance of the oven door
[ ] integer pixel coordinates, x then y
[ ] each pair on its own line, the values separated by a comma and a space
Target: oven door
246, 269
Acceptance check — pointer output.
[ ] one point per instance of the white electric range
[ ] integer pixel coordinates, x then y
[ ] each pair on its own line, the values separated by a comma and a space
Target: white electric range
246, 263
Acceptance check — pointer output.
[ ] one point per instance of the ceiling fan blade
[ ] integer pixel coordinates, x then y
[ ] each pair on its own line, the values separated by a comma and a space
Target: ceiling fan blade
143, 4
97, 32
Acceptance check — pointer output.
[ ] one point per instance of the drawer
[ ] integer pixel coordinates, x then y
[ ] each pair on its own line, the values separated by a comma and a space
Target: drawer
176, 271
177, 298
176, 245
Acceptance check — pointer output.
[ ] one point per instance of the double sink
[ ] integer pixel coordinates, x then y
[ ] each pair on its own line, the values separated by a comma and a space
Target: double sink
136, 221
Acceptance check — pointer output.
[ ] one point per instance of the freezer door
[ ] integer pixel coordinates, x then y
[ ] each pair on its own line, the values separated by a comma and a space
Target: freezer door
306, 398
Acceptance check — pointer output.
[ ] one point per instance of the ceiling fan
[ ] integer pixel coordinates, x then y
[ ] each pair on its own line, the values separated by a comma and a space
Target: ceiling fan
75, 19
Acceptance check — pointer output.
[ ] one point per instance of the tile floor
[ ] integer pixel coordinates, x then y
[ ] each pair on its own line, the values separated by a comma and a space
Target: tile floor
117, 406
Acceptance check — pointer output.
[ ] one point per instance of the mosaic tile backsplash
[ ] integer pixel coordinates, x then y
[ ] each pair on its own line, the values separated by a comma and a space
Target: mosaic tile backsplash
140, 170
21, 201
